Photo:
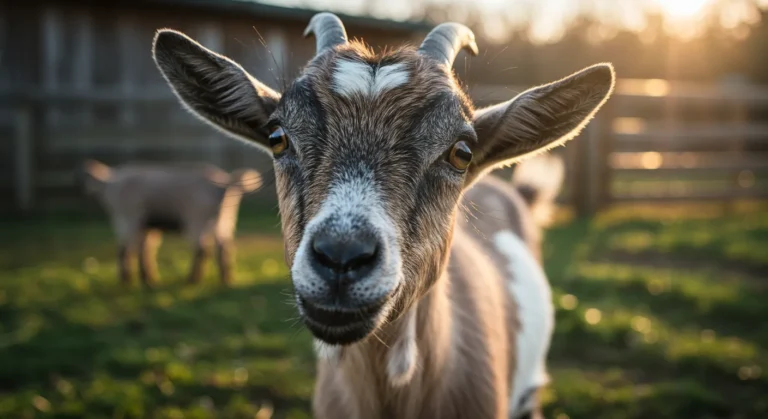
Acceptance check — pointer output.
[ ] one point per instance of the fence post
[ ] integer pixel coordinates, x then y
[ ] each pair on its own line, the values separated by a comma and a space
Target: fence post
593, 166
739, 118
24, 152
602, 178
580, 174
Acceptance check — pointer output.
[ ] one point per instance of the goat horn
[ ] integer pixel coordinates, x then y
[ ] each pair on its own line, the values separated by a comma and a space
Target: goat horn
445, 41
328, 30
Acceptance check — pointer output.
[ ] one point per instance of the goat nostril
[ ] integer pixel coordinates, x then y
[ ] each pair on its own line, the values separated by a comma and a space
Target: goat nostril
344, 254
323, 250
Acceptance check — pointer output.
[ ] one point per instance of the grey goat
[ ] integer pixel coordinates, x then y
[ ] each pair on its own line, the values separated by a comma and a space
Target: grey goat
200, 201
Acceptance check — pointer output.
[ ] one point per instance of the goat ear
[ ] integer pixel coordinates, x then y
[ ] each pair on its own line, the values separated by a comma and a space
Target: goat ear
215, 88
539, 118
94, 176
248, 180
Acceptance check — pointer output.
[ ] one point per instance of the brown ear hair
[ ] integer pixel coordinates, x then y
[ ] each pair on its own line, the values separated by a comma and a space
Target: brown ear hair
248, 180
95, 176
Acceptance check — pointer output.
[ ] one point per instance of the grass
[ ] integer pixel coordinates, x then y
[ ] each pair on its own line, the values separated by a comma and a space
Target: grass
660, 314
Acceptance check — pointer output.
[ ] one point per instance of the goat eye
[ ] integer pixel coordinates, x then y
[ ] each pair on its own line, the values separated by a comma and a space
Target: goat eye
460, 156
278, 140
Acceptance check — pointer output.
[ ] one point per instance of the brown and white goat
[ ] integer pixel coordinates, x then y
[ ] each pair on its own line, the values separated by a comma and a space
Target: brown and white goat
143, 200
417, 313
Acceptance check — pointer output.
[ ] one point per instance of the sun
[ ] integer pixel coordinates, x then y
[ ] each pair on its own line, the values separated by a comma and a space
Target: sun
682, 9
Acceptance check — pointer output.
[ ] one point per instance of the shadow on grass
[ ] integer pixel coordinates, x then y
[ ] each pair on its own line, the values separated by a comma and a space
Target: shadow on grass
76, 343
210, 347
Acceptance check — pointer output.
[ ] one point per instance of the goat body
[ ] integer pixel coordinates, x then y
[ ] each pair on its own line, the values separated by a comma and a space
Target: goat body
475, 345
416, 314
199, 201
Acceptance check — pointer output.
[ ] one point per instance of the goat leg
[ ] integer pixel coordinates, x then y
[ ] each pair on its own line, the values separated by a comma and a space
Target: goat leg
198, 263
147, 259
124, 263
225, 258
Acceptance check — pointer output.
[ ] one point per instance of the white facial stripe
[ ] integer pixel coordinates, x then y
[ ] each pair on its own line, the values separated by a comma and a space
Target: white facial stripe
354, 77
389, 77
530, 288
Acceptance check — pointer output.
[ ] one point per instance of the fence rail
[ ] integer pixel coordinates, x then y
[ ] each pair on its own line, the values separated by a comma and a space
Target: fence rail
666, 141
665, 154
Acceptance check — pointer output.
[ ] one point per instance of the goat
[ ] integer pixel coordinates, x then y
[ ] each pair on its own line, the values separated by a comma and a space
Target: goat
415, 313
198, 200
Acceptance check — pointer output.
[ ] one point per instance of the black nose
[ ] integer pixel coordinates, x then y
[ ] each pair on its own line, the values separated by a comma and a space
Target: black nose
345, 259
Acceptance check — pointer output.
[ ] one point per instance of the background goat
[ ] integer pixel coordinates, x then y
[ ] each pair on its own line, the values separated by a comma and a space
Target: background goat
199, 201
416, 314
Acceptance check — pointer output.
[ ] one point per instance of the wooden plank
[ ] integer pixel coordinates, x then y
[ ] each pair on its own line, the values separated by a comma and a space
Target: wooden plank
687, 160
579, 172
595, 166
56, 179
625, 143
4, 44
180, 138
277, 48
721, 169
626, 91
51, 47
603, 148
739, 115
482, 93
67, 96
82, 72
24, 159
126, 35
689, 132
725, 195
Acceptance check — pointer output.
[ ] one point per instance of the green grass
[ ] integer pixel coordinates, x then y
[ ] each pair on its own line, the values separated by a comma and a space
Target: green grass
661, 314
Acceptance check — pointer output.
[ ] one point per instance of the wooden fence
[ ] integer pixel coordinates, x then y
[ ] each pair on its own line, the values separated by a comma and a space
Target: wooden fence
652, 141
660, 141
47, 155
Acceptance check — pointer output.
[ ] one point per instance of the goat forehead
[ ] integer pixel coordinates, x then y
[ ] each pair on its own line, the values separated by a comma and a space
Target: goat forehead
384, 108
387, 82
385, 117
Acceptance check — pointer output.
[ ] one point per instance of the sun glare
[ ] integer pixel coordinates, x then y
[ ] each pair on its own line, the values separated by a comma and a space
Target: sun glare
682, 9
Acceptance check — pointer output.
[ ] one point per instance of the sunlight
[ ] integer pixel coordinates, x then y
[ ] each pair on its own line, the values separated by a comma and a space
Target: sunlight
682, 9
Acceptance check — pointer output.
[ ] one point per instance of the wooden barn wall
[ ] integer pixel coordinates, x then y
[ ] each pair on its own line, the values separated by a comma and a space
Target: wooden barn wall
91, 89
